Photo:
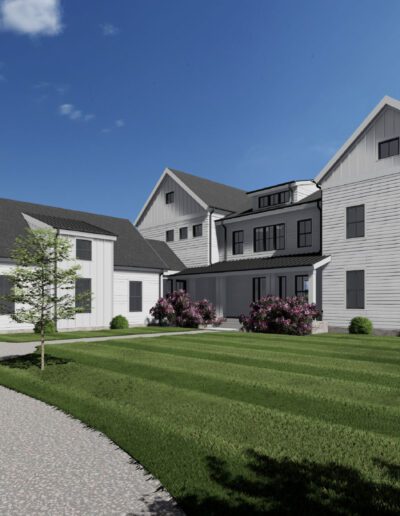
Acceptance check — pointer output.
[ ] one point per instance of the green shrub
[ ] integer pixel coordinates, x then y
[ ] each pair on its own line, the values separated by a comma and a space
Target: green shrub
119, 322
49, 328
361, 325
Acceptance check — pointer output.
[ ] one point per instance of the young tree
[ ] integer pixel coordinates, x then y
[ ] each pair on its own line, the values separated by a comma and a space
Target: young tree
43, 282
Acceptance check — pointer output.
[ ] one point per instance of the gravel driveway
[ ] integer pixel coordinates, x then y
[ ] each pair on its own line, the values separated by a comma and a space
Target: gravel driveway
52, 464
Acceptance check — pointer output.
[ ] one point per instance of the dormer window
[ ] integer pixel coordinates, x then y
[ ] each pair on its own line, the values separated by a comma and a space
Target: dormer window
389, 148
274, 199
169, 198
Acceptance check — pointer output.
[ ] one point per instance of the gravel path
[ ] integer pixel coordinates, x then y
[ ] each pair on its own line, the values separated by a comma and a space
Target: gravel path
51, 464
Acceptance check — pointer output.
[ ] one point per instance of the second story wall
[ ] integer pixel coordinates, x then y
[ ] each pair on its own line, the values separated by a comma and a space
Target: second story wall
289, 217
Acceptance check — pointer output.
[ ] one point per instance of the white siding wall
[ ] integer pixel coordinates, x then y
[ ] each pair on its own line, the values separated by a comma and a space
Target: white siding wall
6, 323
289, 218
303, 190
378, 253
150, 293
158, 212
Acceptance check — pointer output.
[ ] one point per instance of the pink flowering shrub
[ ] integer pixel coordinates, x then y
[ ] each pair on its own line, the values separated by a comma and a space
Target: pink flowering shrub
177, 309
291, 316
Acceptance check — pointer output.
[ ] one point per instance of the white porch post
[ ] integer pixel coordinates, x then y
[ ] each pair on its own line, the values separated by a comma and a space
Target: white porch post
312, 287
220, 291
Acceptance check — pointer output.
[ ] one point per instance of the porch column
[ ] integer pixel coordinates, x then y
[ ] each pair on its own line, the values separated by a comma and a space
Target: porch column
312, 287
220, 294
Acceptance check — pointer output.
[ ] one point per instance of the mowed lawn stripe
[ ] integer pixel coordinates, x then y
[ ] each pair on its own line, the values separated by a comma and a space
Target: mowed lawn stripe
296, 400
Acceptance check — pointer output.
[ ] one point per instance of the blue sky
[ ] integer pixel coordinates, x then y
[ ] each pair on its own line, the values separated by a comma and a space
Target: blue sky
97, 97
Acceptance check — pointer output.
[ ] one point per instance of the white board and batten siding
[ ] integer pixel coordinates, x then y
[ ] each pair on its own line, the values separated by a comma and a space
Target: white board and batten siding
150, 294
361, 178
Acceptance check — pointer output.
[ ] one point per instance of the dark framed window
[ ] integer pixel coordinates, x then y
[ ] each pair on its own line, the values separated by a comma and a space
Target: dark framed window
169, 235
6, 307
304, 233
169, 197
301, 286
269, 238
83, 249
355, 290
259, 288
183, 233
181, 285
237, 242
355, 221
135, 296
197, 230
282, 286
83, 295
169, 288
265, 201
389, 148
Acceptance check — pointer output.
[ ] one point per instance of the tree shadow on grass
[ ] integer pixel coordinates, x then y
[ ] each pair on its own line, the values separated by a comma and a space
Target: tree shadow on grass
270, 486
32, 360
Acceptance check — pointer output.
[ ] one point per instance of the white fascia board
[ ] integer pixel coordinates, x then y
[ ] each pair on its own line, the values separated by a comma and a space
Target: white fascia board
250, 272
168, 172
322, 263
386, 101
251, 216
127, 268
81, 234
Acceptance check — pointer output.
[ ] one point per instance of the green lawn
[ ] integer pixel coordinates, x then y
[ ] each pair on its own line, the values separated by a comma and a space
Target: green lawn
238, 423
31, 337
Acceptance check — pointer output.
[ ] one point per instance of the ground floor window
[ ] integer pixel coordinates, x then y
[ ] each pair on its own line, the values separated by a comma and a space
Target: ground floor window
169, 284
282, 286
135, 296
180, 284
355, 290
6, 307
83, 295
301, 286
259, 289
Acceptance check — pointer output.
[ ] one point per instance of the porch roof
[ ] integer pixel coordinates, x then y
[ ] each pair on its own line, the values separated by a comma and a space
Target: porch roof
248, 264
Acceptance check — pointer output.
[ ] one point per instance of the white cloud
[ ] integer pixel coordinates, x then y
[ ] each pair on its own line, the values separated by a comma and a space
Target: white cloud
89, 117
119, 123
66, 109
32, 17
70, 111
109, 30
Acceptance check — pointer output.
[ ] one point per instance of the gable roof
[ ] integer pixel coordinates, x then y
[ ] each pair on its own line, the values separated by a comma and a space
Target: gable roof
386, 101
172, 262
130, 248
207, 193
70, 224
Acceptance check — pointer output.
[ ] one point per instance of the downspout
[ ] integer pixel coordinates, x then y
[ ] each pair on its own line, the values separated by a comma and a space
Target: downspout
160, 292
319, 204
55, 315
211, 211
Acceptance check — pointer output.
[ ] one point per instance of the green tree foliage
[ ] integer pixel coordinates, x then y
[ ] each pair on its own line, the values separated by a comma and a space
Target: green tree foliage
43, 281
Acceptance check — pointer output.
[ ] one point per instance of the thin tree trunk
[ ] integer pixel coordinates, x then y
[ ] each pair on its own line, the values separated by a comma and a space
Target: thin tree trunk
42, 347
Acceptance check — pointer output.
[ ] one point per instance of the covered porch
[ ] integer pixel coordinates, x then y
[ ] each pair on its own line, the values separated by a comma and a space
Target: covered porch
232, 286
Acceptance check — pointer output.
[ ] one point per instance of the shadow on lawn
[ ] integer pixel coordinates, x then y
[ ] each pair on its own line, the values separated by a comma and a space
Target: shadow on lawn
270, 486
33, 360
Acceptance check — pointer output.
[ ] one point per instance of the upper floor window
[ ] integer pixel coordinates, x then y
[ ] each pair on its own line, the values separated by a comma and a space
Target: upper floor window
83, 293
83, 249
301, 286
6, 307
237, 242
169, 235
389, 148
169, 197
183, 233
355, 289
135, 296
197, 230
269, 238
304, 233
274, 199
355, 221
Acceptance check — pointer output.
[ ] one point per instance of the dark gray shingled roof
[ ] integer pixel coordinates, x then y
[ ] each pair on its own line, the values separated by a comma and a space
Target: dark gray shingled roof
215, 195
70, 224
316, 196
167, 255
130, 249
276, 262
